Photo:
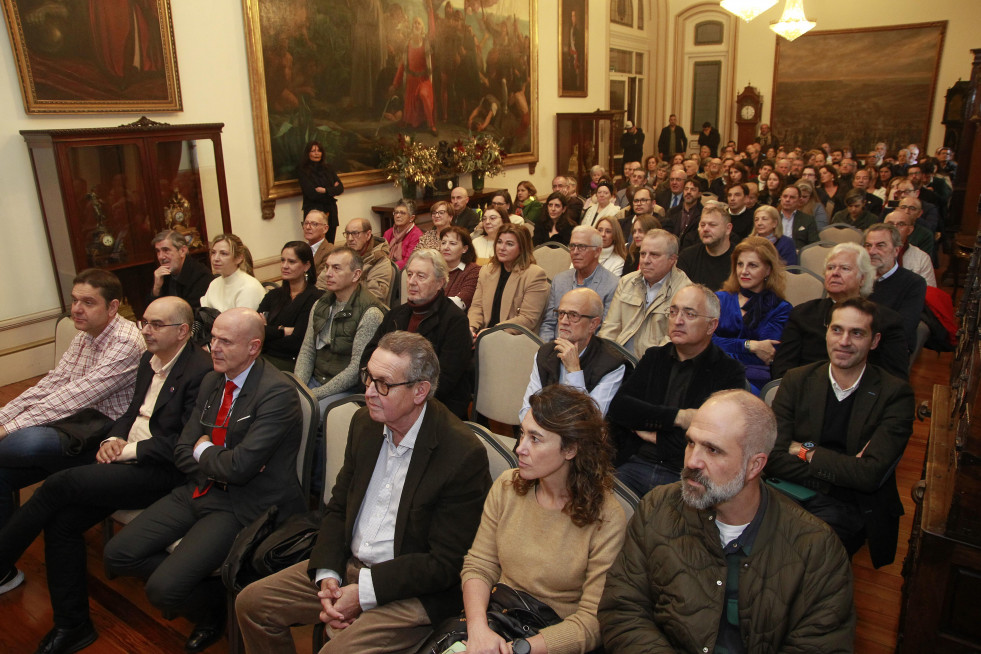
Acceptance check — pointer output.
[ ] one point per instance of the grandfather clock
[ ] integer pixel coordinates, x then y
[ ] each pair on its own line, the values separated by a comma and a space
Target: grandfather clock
748, 105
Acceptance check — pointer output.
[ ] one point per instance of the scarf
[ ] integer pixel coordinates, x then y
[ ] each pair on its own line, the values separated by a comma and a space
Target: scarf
757, 308
395, 247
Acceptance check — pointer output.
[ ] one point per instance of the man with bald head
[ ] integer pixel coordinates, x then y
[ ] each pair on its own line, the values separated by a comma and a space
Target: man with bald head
463, 215
238, 450
911, 257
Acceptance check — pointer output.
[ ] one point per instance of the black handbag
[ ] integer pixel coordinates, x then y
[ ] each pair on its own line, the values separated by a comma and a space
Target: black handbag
237, 571
288, 544
510, 614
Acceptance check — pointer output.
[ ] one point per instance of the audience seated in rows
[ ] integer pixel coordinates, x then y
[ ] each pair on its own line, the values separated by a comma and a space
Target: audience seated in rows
614, 252
708, 262
286, 308
234, 286
178, 275
376, 272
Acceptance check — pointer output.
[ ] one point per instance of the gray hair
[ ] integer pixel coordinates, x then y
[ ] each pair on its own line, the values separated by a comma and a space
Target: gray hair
357, 263
862, 260
669, 239
319, 213
594, 235
897, 238
774, 215
410, 205
423, 362
176, 239
593, 300
440, 269
760, 424
712, 306
720, 208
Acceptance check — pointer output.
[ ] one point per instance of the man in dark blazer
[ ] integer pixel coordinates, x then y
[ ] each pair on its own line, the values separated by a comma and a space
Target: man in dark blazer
848, 273
73, 500
238, 450
900, 289
652, 409
796, 224
842, 427
178, 274
403, 512
672, 140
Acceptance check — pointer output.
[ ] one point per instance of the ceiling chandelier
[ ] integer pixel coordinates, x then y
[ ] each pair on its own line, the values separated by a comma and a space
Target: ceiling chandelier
793, 22
747, 9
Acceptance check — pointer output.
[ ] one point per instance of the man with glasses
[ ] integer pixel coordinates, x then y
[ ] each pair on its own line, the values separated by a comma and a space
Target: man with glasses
315, 227
929, 215
637, 317
385, 570
654, 406
682, 220
911, 257
585, 247
178, 274
920, 236
377, 274
238, 450
58, 422
640, 202
342, 323
576, 356
674, 194
135, 467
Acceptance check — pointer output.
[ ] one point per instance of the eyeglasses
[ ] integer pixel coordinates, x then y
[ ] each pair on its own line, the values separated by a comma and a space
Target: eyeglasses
382, 387
579, 247
207, 424
155, 325
642, 199
908, 207
349, 234
571, 316
308, 223
439, 212
689, 314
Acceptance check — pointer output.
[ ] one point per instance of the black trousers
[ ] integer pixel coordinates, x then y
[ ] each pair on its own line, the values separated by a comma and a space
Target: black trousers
64, 507
180, 582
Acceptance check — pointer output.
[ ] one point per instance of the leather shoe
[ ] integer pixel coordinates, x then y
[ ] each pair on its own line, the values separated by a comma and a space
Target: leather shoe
204, 636
64, 641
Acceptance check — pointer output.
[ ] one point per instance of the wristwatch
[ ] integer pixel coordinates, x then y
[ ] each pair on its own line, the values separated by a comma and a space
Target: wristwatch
804, 449
520, 646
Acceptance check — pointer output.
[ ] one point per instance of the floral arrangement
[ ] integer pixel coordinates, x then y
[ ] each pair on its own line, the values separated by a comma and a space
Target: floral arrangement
410, 161
482, 153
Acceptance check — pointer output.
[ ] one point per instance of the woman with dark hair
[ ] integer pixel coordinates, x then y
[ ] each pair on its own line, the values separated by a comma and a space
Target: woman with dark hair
882, 181
511, 287
457, 249
641, 225
442, 217
525, 204
604, 207
555, 225
831, 195
286, 308
235, 286
550, 528
650, 169
810, 205
738, 173
753, 311
502, 202
772, 188
320, 186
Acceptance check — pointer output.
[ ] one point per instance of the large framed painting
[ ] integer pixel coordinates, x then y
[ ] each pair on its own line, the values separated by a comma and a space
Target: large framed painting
354, 74
821, 94
104, 56
574, 44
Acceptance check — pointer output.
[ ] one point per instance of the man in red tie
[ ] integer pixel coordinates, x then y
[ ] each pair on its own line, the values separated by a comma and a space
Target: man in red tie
238, 450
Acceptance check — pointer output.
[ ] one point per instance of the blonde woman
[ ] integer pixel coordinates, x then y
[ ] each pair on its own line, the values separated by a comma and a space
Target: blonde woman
235, 286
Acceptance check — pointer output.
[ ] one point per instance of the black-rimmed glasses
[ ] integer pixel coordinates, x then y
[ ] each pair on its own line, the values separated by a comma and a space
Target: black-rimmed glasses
155, 325
383, 387
571, 316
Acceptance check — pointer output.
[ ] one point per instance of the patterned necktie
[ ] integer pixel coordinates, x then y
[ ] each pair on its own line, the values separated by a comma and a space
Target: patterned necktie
218, 433
674, 201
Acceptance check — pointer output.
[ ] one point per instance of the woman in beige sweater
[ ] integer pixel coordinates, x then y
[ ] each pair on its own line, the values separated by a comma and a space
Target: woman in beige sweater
550, 528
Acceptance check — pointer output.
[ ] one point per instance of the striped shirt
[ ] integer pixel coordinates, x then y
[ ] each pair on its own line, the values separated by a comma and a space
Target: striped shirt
97, 372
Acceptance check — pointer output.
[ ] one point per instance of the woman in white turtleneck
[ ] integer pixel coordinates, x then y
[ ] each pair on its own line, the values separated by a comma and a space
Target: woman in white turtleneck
614, 251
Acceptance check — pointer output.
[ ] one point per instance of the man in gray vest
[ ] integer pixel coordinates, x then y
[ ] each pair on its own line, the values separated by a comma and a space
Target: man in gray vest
341, 323
577, 357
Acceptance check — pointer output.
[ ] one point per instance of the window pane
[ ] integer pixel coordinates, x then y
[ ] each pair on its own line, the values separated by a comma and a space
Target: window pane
621, 61
709, 33
706, 80
618, 94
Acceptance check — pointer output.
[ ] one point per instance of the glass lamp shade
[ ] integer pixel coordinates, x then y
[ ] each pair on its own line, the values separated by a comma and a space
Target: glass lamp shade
747, 9
793, 22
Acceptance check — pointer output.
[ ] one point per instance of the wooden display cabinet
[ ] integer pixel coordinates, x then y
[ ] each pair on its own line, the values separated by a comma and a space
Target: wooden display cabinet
106, 192
584, 140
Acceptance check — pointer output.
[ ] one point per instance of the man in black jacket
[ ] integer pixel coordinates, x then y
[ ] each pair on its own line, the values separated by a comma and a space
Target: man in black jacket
405, 508
895, 287
428, 312
73, 500
653, 408
178, 274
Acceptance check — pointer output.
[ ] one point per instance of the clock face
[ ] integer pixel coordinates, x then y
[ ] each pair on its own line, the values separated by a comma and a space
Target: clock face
179, 216
108, 240
748, 112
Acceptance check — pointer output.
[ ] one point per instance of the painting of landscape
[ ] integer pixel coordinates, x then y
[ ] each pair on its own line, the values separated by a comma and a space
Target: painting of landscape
857, 87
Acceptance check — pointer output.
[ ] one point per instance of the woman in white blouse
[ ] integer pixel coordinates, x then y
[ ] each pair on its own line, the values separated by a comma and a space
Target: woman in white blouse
604, 205
235, 286
614, 251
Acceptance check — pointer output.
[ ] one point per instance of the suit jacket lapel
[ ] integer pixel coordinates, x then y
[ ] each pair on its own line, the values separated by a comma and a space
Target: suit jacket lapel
172, 380
507, 297
866, 397
815, 398
243, 403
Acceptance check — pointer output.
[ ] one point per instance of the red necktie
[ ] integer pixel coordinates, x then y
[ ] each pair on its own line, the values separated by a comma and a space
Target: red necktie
218, 433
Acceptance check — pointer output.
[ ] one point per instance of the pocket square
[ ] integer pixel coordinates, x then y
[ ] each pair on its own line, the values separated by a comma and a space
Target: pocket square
244, 418
801, 228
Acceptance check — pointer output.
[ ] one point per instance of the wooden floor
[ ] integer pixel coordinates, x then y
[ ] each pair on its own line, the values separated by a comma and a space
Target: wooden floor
127, 623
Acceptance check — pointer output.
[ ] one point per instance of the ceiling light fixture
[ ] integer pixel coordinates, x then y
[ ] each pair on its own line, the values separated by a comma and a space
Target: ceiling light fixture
793, 22
747, 9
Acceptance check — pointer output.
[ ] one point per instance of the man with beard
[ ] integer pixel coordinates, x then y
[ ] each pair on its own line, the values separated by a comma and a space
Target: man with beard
779, 578
709, 262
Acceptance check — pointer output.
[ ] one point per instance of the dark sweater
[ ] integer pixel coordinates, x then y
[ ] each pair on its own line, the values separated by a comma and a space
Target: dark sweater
903, 292
703, 268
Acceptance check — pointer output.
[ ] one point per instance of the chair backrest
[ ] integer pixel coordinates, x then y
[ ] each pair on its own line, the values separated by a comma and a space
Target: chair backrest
64, 333
631, 357
337, 424
498, 455
310, 409
839, 233
403, 286
769, 391
505, 355
803, 285
554, 258
812, 256
627, 498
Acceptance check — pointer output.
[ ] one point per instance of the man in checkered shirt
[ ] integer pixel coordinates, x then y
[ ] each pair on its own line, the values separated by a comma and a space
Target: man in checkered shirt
41, 430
